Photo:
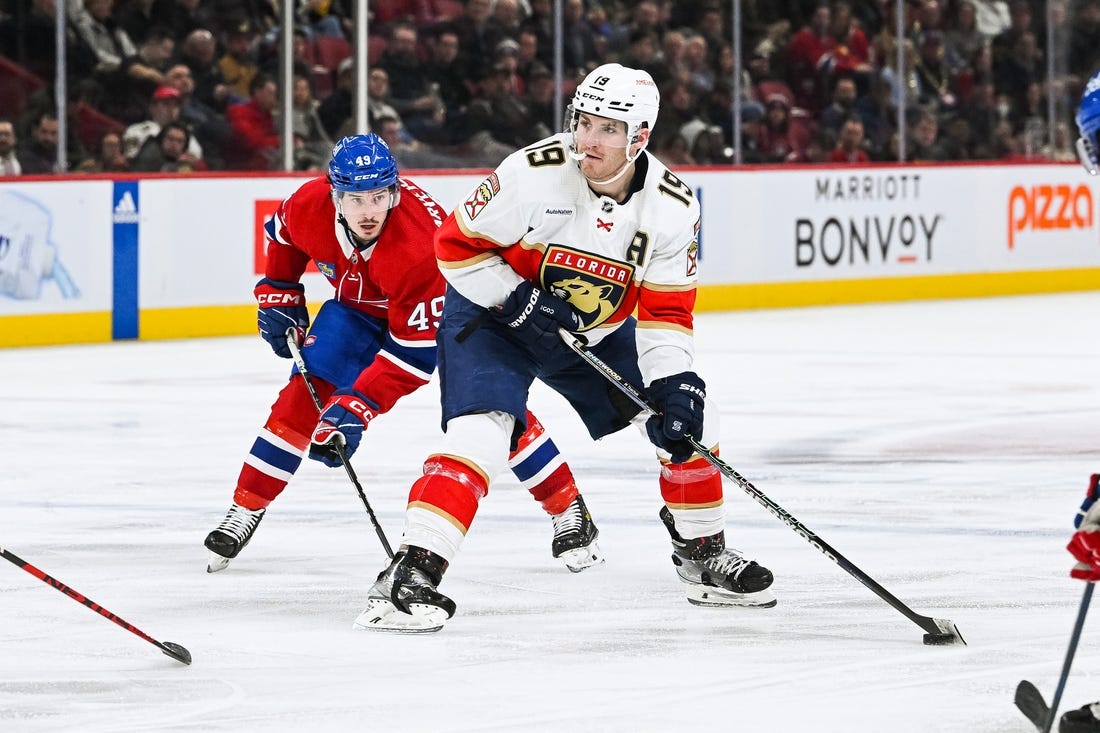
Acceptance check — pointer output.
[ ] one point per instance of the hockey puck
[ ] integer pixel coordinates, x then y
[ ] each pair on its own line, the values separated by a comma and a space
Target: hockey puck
939, 639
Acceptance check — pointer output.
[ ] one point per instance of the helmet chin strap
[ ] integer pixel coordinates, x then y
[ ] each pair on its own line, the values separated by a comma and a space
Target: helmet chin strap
626, 166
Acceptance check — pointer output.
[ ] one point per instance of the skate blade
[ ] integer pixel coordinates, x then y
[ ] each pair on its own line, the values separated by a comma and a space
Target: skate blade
382, 615
705, 595
582, 558
216, 562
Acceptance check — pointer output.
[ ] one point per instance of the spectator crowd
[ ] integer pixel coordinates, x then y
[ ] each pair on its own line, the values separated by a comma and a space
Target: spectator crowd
191, 85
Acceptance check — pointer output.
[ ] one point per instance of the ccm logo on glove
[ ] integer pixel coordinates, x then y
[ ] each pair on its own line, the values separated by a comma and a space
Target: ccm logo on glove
282, 307
342, 422
276, 298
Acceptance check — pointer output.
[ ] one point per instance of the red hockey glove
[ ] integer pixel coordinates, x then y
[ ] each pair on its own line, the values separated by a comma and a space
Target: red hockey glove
343, 421
282, 307
1085, 543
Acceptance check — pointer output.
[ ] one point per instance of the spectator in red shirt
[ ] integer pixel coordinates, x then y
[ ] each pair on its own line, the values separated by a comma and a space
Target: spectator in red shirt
255, 142
805, 56
852, 52
782, 138
849, 145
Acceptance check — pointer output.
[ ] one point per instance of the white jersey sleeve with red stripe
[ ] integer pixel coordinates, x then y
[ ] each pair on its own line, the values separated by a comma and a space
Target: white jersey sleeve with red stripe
536, 218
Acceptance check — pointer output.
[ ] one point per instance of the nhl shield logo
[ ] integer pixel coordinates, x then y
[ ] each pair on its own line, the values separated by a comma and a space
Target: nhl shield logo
595, 286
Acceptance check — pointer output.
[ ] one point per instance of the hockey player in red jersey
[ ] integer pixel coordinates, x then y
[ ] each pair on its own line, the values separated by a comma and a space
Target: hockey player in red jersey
370, 233
574, 232
1085, 543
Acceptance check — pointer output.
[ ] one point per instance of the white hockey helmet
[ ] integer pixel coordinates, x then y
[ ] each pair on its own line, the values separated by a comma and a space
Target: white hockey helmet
618, 93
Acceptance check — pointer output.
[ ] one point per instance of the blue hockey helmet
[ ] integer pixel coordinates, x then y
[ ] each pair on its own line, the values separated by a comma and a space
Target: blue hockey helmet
362, 163
1088, 124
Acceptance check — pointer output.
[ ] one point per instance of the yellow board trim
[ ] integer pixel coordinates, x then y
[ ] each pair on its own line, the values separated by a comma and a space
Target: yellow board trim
238, 320
55, 328
197, 322
891, 289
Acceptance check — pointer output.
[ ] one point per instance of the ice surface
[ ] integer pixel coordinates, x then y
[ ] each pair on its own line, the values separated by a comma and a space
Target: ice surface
942, 447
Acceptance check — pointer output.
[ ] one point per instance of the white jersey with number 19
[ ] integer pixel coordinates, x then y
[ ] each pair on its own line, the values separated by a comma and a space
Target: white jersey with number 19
536, 218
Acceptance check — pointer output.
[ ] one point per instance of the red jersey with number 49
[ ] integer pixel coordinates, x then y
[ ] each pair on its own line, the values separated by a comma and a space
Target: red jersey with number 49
395, 279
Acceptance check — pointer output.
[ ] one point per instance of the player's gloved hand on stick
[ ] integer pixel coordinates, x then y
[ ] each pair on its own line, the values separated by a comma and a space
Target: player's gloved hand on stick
533, 316
343, 421
282, 307
1085, 543
679, 399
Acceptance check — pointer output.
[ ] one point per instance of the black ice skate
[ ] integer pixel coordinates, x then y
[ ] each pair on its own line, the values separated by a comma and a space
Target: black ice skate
717, 575
404, 598
575, 537
226, 542
1083, 720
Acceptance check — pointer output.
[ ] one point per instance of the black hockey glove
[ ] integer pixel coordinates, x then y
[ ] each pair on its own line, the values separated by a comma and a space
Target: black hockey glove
282, 307
533, 316
679, 399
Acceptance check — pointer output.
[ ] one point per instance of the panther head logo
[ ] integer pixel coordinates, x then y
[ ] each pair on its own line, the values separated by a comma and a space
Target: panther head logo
588, 298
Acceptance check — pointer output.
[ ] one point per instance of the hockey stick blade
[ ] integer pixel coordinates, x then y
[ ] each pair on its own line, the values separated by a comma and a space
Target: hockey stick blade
1031, 703
175, 651
939, 632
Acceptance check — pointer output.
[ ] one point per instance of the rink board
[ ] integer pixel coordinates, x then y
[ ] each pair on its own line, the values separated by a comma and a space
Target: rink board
166, 257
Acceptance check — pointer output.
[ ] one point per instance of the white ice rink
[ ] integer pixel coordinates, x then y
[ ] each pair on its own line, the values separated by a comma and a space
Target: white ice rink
942, 447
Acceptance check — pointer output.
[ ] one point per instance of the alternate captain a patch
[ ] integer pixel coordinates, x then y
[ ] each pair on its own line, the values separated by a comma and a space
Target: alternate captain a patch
595, 286
482, 195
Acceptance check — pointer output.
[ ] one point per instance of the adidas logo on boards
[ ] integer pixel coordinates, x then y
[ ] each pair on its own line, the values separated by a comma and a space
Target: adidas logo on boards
126, 210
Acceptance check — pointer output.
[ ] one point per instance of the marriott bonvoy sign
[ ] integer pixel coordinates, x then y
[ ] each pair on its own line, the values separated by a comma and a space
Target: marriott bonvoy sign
810, 224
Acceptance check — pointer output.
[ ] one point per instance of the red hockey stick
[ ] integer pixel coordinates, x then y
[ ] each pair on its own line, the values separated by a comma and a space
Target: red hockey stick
175, 651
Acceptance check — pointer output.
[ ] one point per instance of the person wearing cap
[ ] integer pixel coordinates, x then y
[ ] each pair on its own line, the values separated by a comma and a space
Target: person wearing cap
541, 92
778, 139
238, 64
164, 107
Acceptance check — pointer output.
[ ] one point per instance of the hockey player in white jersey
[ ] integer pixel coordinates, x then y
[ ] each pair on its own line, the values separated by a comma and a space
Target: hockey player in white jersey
577, 231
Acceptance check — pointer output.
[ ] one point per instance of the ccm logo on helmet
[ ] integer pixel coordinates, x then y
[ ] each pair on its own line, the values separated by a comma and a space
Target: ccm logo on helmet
1048, 207
278, 298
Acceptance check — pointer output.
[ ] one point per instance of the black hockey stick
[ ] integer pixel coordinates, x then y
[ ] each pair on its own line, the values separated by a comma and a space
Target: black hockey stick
1028, 698
938, 630
175, 651
1031, 703
296, 353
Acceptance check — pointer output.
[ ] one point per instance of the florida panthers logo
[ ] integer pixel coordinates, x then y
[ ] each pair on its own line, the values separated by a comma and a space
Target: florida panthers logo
596, 286
482, 195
